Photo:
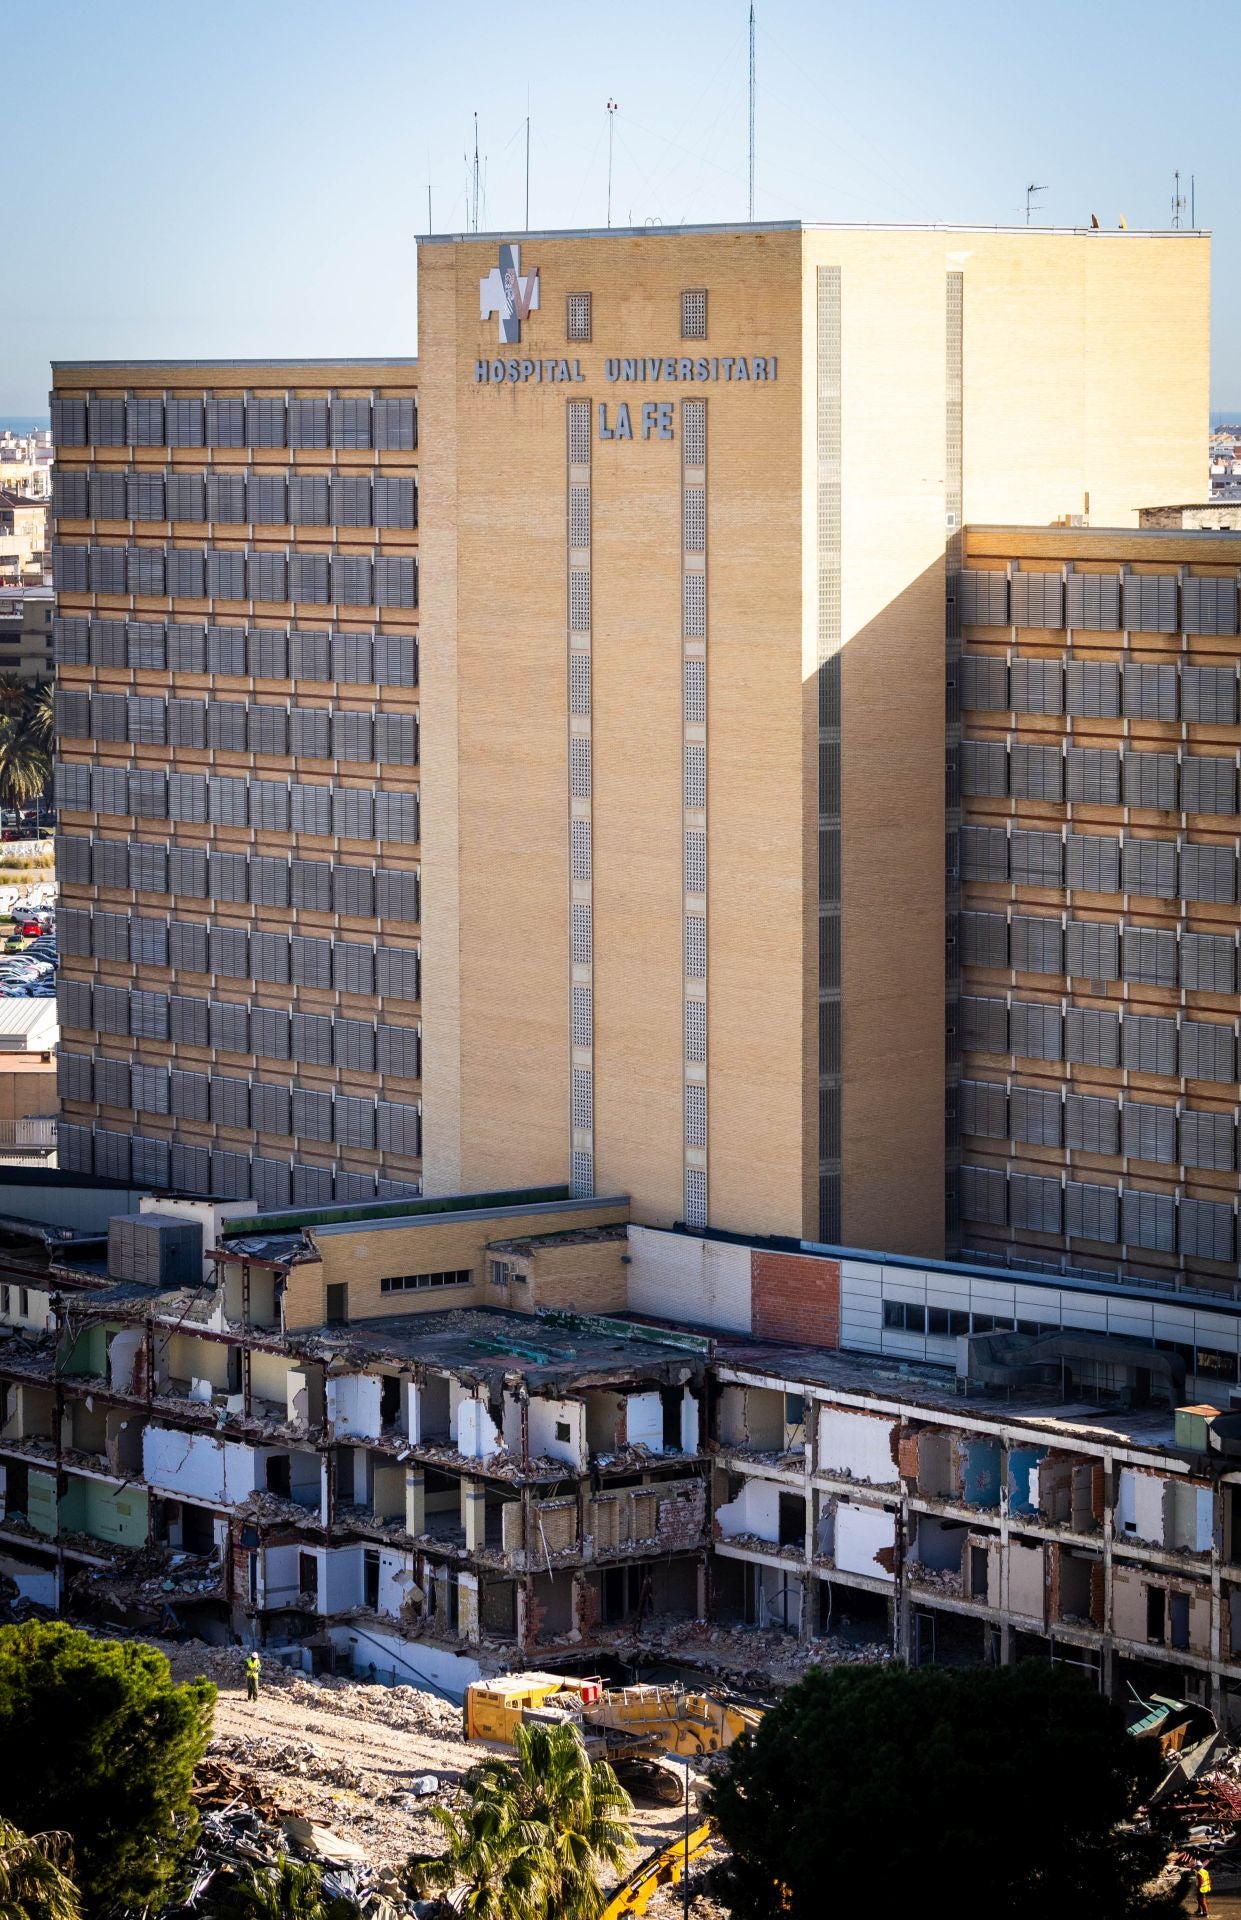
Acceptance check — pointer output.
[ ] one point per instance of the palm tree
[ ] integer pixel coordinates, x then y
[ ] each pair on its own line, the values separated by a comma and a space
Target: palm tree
25, 765
35, 1881
292, 1892
41, 713
13, 692
493, 1869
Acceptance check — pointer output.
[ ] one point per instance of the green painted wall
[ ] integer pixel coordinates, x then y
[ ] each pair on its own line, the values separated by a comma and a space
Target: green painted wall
115, 1514
41, 1503
89, 1353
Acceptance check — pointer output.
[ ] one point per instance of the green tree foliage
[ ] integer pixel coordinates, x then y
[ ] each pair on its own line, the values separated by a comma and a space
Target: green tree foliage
1008, 1785
537, 1837
36, 1876
96, 1740
293, 1891
26, 734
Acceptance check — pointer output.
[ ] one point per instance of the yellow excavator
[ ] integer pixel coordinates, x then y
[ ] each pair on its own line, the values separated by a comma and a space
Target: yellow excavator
612, 1720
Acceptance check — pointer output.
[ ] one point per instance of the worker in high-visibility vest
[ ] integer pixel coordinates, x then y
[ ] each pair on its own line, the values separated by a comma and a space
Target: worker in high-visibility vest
252, 1676
1202, 1881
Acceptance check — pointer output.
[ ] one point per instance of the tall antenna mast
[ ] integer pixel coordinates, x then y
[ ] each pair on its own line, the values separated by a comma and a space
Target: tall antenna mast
611, 117
1031, 190
752, 73
527, 172
1178, 198
1193, 211
476, 173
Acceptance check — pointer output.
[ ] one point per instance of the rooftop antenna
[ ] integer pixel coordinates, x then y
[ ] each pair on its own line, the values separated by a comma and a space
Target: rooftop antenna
476, 173
1031, 190
527, 166
752, 81
611, 117
1178, 198
1193, 212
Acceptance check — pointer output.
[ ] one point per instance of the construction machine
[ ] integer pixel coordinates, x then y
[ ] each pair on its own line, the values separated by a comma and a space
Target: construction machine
613, 1721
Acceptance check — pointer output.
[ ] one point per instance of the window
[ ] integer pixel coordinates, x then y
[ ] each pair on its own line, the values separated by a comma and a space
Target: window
904, 1316
694, 314
578, 316
420, 1282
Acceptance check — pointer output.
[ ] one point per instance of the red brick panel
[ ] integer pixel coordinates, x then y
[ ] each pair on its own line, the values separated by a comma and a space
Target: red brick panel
795, 1297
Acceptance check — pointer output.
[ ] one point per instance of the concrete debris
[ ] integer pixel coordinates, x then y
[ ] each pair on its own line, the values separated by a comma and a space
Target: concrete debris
297, 1757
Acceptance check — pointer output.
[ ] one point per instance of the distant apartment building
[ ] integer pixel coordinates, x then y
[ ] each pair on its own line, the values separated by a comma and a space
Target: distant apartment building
23, 538
27, 616
1098, 934
26, 464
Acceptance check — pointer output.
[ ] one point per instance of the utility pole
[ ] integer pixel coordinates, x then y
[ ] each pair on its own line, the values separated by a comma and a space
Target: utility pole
752, 82
1031, 190
611, 118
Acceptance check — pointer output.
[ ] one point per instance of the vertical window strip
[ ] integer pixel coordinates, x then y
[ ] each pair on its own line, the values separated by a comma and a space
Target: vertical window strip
694, 779
828, 449
578, 646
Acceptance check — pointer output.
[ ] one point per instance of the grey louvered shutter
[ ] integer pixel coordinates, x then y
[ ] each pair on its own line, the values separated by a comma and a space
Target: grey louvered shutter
189, 1019
1038, 600
1150, 603
984, 939
70, 494
1209, 606
353, 967
186, 498
309, 500
1148, 1043
1208, 1140
307, 424
230, 1026
267, 500
144, 496
273, 1183
148, 1015
191, 1168
1149, 869
398, 1051
112, 1154
230, 1174
75, 1148
1208, 873
112, 1083
269, 880
1036, 773
1209, 695
107, 420
108, 645
353, 891
396, 581
72, 642
229, 876
269, 957
984, 598
1206, 1230
1034, 1203
1148, 1220
984, 853
73, 859
353, 661
1208, 1052
312, 1186
73, 930
312, 1039
399, 1128
1151, 780
267, 578
310, 733
1208, 962
353, 1045
269, 805
1036, 859
188, 947
1093, 775
1037, 686
75, 1078
267, 653
71, 569
351, 500
1149, 956
108, 570
152, 1162
184, 423
984, 1196
74, 1005
396, 660
229, 952
109, 716
230, 1101
394, 424
227, 800
1093, 863
110, 936
1092, 689
396, 818
1093, 950
1093, 601
1091, 1212
1150, 691
1148, 1132
984, 1024
187, 872
1091, 1125
397, 895
271, 1108
187, 649
265, 421
1208, 785
106, 493
72, 714
148, 942
187, 723
146, 644
311, 961
270, 1033
352, 584
353, 736
226, 423
1036, 1120
351, 422
310, 656
353, 813
69, 420
308, 578
397, 974
984, 1109
109, 789
395, 501
226, 574
186, 573
353, 1121
1037, 944
1092, 1037
1036, 1031
311, 881
226, 502
226, 725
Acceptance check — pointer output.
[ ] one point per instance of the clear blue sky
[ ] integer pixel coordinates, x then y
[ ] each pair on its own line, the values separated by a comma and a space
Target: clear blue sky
242, 177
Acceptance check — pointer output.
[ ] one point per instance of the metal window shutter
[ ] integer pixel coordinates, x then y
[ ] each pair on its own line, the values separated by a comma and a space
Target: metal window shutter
226, 800
186, 573
110, 936
1148, 1132
312, 1186
73, 930
68, 421
1037, 945
312, 1039
1150, 691
187, 872
187, 649
188, 1020
351, 580
75, 1148
310, 733
267, 729
146, 644
1208, 1140
984, 684
267, 578
1035, 1031
312, 809
1151, 780
226, 423
353, 662
1093, 863
149, 1088
191, 1168
188, 947
230, 1101
267, 500
310, 656
271, 1108
1150, 602
1036, 1120
230, 1026
984, 767
70, 494
74, 1005
148, 942
73, 858
1093, 774
226, 577
1208, 873
1148, 1220
311, 964
184, 423
1036, 859
72, 642
984, 939
72, 714
353, 1121
353, 1045
226, 725
267, 654
395, 501
273, 1183
1093, 950
1037, 686
308, 578
394, 424
1209, 606
984, 1107
1036, 773
1208, 785
353, 736
396, 581
1092, 689
1092, 1037
353, 891
108, 645
109, 790
398, 1051
112, 1154
1208, 1052
1207, 1230
226, 500
984, 1196
1034, 1203
351, 422
984, 598
109, 716
1038, 600
269, 805
1150, 869
144, 496
1148, 1044
187, 723
351, 500
1091, 1212
270, 1033
186, 498
70, 569
1149, 956
148, 1014
353, 813
108, 570
353, 967
397, 975
229, 876
1093, 601
309, 500
397, 820
269, 957
311, 884
1208, 962
984, 1025
229, 952
265, 421
1091, 1125
399, 1128
354, 1186
397, 895
107, 421
152, 1160
230, 1174
1209, 695
396, 660
75, 1076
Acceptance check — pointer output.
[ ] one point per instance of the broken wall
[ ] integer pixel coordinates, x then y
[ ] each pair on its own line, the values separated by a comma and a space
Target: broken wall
755, 1512
857, 1446
862, 1534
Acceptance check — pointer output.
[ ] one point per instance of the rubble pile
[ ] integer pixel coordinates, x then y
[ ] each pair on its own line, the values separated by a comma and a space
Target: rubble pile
762, 1658
297, 1757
